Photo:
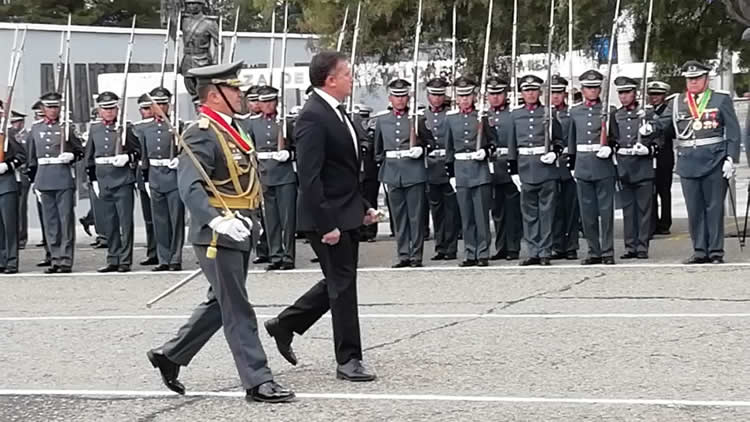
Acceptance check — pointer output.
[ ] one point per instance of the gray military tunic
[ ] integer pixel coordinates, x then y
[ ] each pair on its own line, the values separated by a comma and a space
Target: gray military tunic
279, 181
404, 178
56, 183
24, 185
442, 196
116, 186
566, 225
473, 179
636, 173
703, 145
15, 157
526, 145
227, 302
145, 200
167, 210
506, 200
595, 177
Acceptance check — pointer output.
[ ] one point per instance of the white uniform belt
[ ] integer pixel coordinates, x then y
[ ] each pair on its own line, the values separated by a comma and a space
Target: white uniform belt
501, 151
588, 148
397, 154
104, 160
699, 142
627, 151
266, 155
50, 160
531, 151
159, 162
463, 155
438, 153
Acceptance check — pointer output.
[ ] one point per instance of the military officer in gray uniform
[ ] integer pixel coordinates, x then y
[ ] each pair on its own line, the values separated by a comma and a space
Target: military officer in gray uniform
110, 167
402, 169
221, 238
275, 162
506, 199
15, 157
532, 156
50, 164
708, 146
442, 196
159, 172
147, 115
469, 152
662, 202
17, 123
591, 159
635, 168
38, 110
565, 225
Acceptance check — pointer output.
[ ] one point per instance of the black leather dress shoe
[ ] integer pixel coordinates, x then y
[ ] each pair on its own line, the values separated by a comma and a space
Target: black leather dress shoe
45, 263
52, 270
608, 260
270, 392
175, 267
512, 256
483, 262
99, 245
283, 338
662, 231
591, 260
261, 260
545, 261
416, 264
10, 271
273, 266
629, 255
401, 264
642, 255
65, 269
40, 244
714, 260
286, 266
168, 369
123, 268
149, 261
696, 260
533, 260
438, 257
451, 257
558, 255
86, 227
354, 371
107, 269
571, 256
160, 267
371, 240
315, 260
499, 255
468, 263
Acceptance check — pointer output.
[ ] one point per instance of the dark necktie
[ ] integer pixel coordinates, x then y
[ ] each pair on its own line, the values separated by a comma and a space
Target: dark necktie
342, 110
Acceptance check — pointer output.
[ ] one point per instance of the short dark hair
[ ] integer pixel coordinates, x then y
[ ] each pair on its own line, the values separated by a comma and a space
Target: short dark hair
322, 65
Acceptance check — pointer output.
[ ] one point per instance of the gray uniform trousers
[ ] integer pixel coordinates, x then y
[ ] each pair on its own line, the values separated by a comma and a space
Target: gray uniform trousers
475, 220
566, 223
280, 204
408, 206
704, 198
596, 200
60, 224
168, 213
117, 204
261, 240
23, 210
101, 220
637, 201
538, 210
148, 220
506, 214
227, 305
9, 230
444, 209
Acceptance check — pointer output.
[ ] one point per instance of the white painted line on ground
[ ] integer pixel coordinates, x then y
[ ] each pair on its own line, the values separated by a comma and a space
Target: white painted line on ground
396, 316
388, 397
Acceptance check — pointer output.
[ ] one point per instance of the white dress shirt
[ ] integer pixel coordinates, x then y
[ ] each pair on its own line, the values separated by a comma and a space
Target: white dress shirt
334, 103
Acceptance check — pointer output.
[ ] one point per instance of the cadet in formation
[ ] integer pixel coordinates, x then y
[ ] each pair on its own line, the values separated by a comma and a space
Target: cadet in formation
51, 155
17, 126
442, 196
591, 159
708, 146
506, 198
275, 161
147, 115
662, 202
159, 172
399, 148
14, 158
468, 150
112, 151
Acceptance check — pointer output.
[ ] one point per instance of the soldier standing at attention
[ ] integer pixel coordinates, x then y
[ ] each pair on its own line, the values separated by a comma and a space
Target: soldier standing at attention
147, 116
279, 180
442, 196
468, 152
662, 202
506, 201
402, 170
17, 123
50, 160
15, 157
109, 165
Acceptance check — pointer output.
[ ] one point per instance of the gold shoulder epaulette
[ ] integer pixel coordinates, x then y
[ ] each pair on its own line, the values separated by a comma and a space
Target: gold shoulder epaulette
203, 122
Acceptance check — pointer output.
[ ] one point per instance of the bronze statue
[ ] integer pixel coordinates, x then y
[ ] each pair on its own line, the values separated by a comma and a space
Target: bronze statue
200, 35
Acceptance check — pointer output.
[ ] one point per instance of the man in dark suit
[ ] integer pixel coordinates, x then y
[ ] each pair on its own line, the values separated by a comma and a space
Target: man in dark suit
331, 210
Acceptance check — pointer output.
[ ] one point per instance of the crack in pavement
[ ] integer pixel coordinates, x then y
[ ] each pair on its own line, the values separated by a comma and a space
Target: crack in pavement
625, 297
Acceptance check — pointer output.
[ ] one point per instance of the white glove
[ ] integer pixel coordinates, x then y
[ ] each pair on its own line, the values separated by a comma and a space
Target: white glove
173, 163
231, 227
516, 180
641, 113
245, 219
573, 174
415, 152
66, 156
479, 155
641, 150
121, 160
95, 187
282, 156
548, 158
728, 168
38, 194
646, 129
3, 168
604, 152
148, 189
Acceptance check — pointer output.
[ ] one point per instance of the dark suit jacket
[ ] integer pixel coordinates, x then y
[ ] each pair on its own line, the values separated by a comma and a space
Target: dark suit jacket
328, 170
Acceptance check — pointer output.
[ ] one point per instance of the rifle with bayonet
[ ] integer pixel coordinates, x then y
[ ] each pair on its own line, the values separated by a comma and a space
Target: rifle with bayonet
548, 91
604, 141
644, 80
233, 45
281, 142
342, 32
122, 112
165, 51
415, 81
220, 44
482, 87
570, 53
353, 60
514, 55
272, 42
15, 64
453, 57
65, 81
174, 112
